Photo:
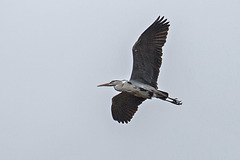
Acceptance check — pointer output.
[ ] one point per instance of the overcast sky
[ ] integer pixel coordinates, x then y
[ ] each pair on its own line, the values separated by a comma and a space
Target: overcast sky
53, 54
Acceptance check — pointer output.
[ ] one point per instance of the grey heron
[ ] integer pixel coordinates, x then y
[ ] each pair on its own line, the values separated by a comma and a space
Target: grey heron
147, 59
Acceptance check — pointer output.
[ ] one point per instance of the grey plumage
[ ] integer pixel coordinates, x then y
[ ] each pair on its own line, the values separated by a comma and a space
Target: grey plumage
147, 60
124, 106
147, 53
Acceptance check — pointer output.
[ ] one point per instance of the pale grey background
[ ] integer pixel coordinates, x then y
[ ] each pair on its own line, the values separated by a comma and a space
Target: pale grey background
54, 53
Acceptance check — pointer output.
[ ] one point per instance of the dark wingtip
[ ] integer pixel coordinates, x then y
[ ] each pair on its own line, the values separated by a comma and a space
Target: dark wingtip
161, 21
157, 19
161, 18
122, 121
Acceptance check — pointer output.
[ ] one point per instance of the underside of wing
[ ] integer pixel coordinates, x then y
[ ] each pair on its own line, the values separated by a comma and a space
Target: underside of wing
124, 106
147, 52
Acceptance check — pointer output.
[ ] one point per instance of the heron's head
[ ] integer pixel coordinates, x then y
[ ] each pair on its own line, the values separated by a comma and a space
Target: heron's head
112, 83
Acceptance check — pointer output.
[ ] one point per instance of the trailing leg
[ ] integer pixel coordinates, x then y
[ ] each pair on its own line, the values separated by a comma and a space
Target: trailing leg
164, 96
174, 101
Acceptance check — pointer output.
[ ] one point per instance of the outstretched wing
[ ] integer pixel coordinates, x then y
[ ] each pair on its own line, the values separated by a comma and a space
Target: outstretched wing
124, 105
147, 52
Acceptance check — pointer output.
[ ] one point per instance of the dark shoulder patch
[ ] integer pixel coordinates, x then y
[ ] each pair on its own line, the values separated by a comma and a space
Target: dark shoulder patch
129, 82
142, 89
150, 94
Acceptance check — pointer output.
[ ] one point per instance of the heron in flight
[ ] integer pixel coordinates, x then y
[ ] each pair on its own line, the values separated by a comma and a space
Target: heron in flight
147, 59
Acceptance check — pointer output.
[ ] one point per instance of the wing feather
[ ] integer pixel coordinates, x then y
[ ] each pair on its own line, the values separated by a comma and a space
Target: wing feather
147, 52
124, 106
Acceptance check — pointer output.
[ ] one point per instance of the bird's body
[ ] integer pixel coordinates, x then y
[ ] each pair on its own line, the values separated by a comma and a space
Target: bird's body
139, 89
147, 52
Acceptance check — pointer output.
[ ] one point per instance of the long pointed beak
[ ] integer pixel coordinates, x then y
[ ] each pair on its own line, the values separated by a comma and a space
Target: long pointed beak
106, 84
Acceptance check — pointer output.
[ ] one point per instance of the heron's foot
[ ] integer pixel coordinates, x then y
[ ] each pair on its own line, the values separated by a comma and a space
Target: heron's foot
174, 101
177, 102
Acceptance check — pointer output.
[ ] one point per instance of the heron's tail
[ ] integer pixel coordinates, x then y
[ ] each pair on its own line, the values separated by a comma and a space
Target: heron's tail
161, 94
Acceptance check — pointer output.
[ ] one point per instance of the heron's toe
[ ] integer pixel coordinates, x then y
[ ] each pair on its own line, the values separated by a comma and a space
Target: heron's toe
177, 102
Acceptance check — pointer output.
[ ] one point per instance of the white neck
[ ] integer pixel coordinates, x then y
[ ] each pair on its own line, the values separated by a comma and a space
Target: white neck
119, 86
